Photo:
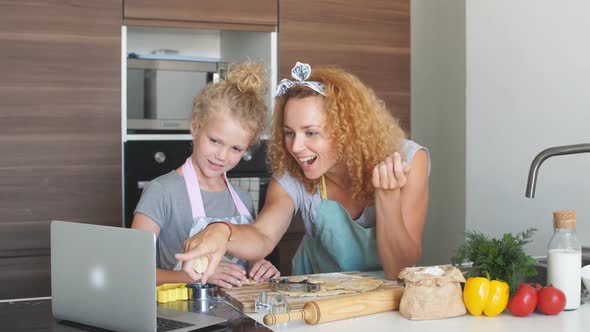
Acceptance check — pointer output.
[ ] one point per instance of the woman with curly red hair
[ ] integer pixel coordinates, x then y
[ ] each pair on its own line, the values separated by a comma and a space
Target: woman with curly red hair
341, 161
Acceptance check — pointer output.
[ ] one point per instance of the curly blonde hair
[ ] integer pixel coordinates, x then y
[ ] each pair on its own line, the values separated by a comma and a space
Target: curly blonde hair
363, 131
241, 93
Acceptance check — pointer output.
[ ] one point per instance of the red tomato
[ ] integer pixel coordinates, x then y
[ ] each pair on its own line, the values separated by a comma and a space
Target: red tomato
536, 286
551, 300
523, 301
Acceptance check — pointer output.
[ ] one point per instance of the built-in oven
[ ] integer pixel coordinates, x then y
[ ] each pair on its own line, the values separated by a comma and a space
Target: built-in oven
160, 92
146, 160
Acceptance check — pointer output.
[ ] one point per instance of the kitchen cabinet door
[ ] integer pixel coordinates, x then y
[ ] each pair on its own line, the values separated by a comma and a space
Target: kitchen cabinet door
370, 38
251, 15
60, 129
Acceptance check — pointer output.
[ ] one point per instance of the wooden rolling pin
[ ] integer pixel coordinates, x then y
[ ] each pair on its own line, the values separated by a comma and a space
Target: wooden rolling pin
321, 311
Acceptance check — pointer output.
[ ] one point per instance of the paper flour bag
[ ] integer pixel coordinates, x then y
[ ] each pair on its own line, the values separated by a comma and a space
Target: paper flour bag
432, 292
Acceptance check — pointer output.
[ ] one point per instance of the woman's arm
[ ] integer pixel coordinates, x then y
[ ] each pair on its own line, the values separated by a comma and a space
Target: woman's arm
248, 242
255, 241
401, 199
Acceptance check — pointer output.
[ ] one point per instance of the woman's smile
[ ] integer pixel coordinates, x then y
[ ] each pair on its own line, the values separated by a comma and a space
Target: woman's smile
307, 161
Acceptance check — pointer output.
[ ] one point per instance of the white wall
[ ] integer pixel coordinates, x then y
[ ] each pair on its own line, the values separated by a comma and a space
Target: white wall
239, 46
528, 74
527, 88
438, 118
188, 42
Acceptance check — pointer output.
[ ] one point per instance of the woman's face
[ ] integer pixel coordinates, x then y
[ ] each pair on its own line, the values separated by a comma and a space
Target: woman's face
219, 144
306, 135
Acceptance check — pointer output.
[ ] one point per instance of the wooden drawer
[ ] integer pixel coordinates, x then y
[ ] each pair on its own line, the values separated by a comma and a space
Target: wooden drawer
251, 15
24, 277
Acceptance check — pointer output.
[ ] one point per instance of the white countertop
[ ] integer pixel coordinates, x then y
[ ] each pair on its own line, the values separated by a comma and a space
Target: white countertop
570, 321
567, 321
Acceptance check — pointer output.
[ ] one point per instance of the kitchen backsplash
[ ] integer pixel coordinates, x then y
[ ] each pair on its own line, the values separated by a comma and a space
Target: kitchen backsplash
251, 185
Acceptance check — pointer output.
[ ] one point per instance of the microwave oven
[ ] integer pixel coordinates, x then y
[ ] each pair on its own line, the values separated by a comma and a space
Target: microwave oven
160, 92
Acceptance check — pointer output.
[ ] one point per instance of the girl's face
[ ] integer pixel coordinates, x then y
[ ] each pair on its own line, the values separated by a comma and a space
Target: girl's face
306, 135
219, 144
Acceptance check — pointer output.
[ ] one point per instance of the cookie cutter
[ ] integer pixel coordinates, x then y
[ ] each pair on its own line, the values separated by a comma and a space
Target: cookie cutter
284, 284
172, 292
204, 291
267, 302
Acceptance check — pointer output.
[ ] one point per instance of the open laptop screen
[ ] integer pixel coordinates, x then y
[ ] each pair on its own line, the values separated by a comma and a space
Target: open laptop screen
105, 276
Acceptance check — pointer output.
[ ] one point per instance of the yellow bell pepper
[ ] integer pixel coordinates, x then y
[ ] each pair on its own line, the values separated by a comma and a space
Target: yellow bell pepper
481, 295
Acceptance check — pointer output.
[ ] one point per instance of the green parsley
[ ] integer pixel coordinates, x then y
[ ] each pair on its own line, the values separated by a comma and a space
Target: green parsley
501, 259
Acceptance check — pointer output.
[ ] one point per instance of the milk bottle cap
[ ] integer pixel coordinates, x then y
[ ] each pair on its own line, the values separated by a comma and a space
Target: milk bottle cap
564, 219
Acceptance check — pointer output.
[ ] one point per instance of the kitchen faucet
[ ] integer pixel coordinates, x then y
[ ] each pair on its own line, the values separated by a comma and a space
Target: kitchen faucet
545, 154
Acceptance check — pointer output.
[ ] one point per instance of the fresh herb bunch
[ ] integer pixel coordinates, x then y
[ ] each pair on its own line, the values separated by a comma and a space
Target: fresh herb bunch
502, 259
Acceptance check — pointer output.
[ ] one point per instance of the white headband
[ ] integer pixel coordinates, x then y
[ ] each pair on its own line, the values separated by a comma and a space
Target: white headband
300, 73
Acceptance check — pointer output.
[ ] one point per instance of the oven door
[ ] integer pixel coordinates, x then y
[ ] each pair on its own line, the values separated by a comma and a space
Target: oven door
145, 161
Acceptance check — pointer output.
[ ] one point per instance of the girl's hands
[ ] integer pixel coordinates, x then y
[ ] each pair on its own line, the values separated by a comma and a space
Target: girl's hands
391, 173
228, 275
262, 270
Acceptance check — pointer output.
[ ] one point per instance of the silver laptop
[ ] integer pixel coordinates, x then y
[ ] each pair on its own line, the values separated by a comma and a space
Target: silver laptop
105, 277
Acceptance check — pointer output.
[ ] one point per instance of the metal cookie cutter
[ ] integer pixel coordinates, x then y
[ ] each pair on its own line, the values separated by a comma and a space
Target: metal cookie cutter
267, 302
204, 291
284, 284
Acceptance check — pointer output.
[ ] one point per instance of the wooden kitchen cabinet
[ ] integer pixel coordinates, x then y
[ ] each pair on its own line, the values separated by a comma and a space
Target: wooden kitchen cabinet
251, 15
60, 129
369, 38
287, 246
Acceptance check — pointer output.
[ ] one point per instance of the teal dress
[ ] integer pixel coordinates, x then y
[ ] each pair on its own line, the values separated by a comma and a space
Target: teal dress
334, 242
339, 244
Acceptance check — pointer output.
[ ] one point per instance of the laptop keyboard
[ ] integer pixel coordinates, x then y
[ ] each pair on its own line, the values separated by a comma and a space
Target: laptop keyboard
165, 324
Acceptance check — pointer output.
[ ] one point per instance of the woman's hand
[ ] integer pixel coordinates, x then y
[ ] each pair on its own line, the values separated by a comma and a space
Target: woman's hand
262, 270
391, 173
228, 274
210, 242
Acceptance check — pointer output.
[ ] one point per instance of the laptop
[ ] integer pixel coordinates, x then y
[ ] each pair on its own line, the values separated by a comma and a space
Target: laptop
105, 277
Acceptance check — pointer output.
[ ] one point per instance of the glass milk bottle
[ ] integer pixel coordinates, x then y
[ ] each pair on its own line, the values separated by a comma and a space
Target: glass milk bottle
564, 258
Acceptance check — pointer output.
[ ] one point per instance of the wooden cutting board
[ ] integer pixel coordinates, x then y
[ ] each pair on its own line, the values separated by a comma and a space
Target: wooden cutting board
244, 297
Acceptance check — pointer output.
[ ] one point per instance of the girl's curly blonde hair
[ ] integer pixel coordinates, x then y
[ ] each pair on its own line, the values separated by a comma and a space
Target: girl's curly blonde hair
241, 93
363, 131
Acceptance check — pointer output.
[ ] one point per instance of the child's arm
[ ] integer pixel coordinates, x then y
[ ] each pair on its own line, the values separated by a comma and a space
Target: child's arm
141, 221
169, 276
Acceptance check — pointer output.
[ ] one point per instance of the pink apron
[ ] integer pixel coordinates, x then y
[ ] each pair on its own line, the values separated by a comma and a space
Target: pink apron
200, 220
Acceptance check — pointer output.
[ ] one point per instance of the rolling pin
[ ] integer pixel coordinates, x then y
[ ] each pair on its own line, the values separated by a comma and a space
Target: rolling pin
321, 311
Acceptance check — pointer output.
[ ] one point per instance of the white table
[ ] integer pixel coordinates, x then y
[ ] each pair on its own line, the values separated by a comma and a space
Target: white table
567, 321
